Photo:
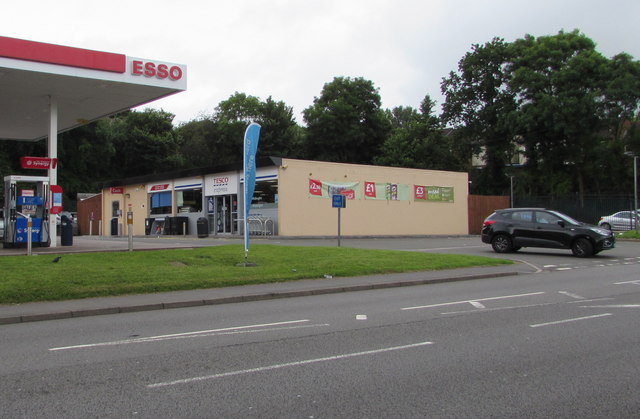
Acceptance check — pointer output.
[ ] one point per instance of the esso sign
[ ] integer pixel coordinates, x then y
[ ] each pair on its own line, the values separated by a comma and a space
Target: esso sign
151, 69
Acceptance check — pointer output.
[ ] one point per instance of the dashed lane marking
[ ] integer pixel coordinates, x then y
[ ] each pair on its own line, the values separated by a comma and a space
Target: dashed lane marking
570, 320
285, 365
472, 301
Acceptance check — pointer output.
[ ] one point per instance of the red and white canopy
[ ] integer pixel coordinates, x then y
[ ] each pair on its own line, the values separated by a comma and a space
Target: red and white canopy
85, 85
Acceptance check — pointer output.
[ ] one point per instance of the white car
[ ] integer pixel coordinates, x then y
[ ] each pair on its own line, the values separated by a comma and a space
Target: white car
621, 220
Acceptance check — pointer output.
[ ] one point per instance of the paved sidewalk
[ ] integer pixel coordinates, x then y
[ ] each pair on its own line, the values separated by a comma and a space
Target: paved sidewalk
30, 312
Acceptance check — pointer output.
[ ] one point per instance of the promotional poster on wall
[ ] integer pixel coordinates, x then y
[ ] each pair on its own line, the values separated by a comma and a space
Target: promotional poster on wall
382, 191
433, 193
387, 191
324, 189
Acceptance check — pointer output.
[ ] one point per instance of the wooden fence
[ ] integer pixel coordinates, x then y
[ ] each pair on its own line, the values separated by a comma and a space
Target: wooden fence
89, 209
481, 206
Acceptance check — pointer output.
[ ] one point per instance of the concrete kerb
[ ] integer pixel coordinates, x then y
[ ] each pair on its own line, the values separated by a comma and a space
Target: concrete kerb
249, 297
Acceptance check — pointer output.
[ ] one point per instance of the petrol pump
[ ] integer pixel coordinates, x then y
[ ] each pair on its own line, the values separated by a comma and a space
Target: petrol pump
27, 197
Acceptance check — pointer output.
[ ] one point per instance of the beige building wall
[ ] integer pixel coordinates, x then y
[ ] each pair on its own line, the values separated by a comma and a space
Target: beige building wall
301, 214
134, 199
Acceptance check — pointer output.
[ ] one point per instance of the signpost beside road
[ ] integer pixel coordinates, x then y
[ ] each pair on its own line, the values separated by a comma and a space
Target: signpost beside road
339, 201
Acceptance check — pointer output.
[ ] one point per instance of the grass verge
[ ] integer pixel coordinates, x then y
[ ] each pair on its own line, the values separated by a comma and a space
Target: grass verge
37, 278
631, 234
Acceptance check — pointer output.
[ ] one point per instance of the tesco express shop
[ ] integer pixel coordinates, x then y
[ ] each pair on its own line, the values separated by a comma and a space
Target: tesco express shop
292, 198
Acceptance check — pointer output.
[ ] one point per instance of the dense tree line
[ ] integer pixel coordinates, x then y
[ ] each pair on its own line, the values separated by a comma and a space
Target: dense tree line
571, 112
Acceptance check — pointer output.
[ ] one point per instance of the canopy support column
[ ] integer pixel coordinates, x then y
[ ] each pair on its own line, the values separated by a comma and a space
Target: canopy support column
53, 171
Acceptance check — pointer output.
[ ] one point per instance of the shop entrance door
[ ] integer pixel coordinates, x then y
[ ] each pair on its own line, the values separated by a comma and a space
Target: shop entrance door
226, 214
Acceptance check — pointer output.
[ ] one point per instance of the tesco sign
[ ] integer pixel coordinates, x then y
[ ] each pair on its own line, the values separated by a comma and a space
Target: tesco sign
151, 69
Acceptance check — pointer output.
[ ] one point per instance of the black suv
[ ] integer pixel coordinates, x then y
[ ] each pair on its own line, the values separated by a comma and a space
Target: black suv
510, 229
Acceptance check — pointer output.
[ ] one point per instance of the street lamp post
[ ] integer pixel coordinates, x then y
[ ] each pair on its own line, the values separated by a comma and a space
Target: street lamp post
511, 190
635, 185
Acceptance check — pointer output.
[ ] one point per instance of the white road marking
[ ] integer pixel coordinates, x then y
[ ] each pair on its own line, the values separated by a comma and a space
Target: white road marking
288, 364
537, 269
570, 320
488, 310
563, 269
259, 327
475, 300
361, 317
636, 282
615, 306
477, 304
442, 248
569, 294
587, 301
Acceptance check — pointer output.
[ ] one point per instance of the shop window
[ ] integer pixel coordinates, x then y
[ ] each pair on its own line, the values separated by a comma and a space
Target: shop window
160, 203
189, 200
265, 195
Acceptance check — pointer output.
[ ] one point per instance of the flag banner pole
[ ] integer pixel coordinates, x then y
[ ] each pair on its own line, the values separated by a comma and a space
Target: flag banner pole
251, 137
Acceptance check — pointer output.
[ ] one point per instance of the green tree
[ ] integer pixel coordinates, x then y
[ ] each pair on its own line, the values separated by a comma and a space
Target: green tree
571, 110
417, 140
479, 107
10, 153
280, 134
346, 123
144, 142
622, 99
559, 81
218, 138
85, 158
197, 142
622, 92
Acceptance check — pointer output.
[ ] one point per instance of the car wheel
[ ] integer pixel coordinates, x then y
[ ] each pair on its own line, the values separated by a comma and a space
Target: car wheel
502, 243
606, 225
582, 248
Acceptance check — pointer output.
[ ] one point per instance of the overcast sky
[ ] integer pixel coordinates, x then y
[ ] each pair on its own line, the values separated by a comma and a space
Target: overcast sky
288, 49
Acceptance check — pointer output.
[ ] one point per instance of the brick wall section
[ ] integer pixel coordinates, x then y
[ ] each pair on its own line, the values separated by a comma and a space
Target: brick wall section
85, 208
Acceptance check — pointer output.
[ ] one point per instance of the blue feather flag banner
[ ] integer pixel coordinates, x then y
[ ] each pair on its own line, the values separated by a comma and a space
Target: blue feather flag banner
251, 137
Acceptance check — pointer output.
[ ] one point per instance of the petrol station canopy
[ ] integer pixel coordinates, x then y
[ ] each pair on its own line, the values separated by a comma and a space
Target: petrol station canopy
40, 81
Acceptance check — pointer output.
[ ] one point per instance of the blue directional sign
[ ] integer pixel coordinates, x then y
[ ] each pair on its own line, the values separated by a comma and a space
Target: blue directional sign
338, 201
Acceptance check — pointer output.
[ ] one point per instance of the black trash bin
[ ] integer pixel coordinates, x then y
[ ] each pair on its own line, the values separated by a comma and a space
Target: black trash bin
202, 227
66, 231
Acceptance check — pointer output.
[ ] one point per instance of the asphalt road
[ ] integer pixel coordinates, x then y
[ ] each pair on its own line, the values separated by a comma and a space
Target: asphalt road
561, 342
